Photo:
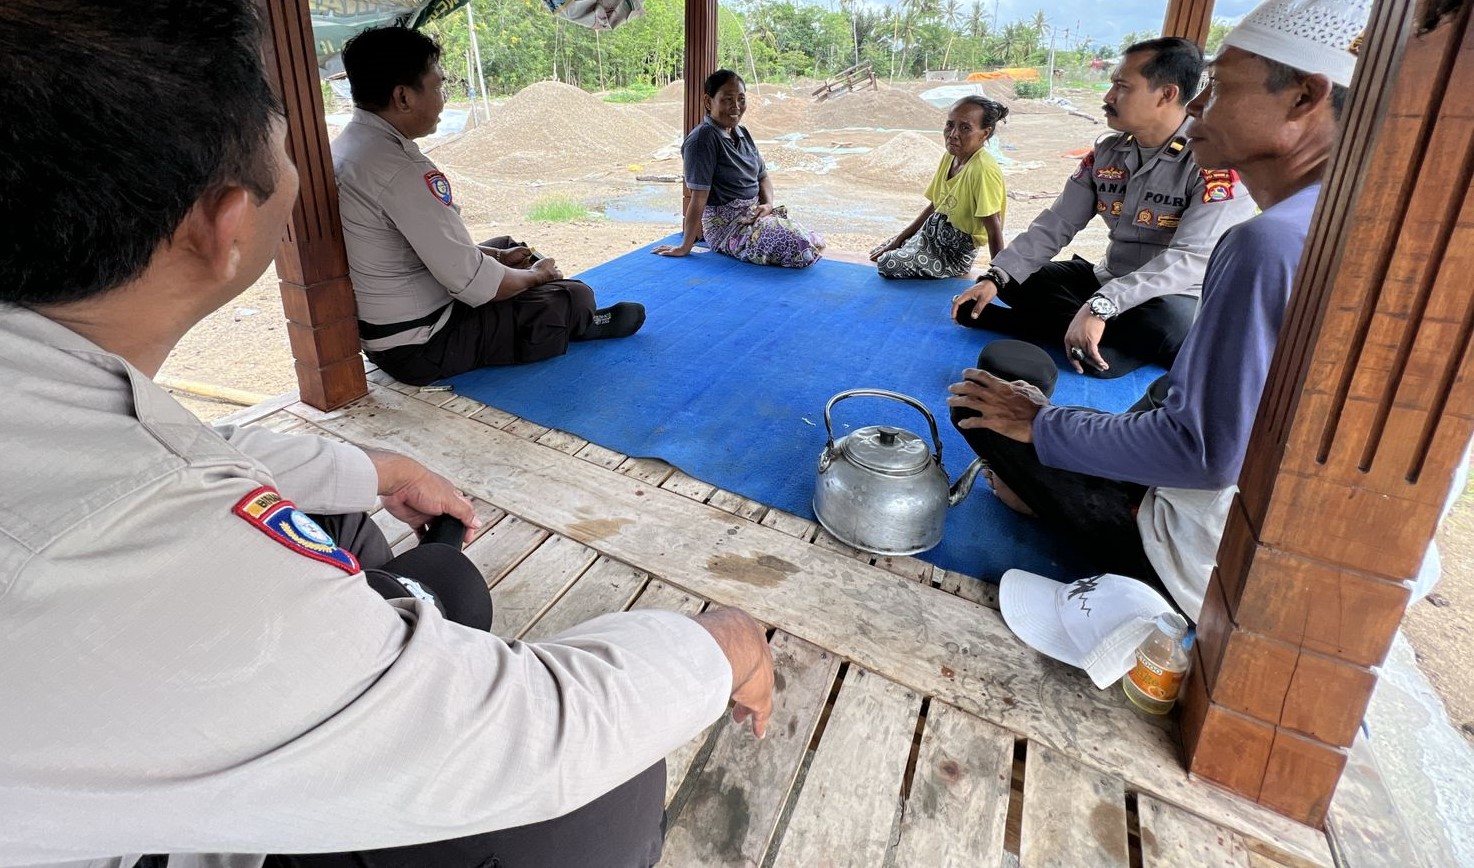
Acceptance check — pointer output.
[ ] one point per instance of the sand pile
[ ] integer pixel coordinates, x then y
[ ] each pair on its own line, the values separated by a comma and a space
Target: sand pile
676, 90
907, 160
888, 109
555, 129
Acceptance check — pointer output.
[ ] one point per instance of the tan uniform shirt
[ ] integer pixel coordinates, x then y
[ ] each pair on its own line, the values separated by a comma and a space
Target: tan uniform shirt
1164, 213
409, 252
176, 678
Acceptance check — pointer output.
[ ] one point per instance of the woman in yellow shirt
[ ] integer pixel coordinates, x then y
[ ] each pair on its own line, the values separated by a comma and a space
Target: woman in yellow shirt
965, 202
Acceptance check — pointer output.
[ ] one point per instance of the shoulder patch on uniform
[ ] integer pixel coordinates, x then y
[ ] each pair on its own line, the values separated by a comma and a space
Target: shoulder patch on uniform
1219, 185
439, 185
1085, 164
280, 519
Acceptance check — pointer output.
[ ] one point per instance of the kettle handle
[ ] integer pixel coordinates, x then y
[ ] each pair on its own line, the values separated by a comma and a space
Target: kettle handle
936, 438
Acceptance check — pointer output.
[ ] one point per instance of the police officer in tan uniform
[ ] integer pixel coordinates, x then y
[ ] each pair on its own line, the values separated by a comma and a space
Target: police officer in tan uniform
1165, 214
189, 663
431, 302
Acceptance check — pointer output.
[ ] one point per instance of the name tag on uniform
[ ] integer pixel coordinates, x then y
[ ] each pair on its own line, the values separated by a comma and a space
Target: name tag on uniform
280, 519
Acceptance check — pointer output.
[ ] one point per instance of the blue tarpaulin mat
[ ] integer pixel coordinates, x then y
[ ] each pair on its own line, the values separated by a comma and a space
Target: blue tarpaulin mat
729, 377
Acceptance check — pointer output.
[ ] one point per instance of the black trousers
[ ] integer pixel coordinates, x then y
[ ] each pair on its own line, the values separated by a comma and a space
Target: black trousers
434, 572
1097, 515
528, 327
1041, 308
624, 827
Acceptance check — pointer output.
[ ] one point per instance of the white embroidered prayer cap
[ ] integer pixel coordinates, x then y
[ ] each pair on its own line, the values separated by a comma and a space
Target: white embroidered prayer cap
1315, 36
1095, 624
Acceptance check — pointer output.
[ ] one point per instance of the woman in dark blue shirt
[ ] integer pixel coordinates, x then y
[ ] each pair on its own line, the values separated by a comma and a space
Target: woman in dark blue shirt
731, 194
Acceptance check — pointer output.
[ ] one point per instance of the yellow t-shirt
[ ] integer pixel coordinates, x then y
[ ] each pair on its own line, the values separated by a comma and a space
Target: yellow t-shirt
976, 192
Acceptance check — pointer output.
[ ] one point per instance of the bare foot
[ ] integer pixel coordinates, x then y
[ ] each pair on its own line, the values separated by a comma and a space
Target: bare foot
1006, 494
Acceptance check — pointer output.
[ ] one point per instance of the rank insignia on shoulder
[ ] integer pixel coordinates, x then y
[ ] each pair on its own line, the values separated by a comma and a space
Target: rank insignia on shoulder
1176, 146
439, 185
280, 519
1110, 173
1219, 185
1085, 166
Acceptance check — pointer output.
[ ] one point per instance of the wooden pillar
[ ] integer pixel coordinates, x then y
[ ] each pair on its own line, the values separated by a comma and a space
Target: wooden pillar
322, 322
701, 61
701, 56
1189, 19
1363, 424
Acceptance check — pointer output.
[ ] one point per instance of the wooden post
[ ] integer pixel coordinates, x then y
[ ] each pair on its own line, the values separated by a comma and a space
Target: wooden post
701, 61
1189, 19
1364, 421
322, 321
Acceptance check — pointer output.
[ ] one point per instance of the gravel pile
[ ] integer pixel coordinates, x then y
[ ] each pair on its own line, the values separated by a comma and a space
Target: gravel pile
907, 160
551, 129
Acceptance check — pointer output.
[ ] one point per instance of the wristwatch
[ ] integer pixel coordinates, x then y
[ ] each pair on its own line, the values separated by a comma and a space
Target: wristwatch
995, 274
1102, 306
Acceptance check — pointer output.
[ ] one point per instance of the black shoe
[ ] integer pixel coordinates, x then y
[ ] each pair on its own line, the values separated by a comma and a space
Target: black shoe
618, 321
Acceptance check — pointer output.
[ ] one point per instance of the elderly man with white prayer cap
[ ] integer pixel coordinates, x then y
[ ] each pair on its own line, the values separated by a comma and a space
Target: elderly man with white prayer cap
1147, 493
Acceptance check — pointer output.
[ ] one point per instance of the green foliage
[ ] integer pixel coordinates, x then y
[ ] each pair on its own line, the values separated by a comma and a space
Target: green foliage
765, 40
1030, 89
1217, 29
557, 209
637, 92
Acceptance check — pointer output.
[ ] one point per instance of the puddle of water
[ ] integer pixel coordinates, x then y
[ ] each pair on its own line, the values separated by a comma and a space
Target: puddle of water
652, 203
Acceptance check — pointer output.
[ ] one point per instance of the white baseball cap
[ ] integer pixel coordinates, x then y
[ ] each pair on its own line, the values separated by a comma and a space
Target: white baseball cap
1315, 36
1096, 623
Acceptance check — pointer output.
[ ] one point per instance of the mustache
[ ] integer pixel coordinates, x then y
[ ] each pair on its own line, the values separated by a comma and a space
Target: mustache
1109, 110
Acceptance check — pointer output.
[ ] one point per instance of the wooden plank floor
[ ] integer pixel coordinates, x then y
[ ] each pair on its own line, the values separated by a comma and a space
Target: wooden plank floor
910, 727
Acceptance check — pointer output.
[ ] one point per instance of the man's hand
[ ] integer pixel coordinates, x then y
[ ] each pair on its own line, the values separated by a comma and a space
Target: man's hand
1082, 341
1008, 408
511, 257
546, 271
980, 294
672, 249
415, 494
746, 646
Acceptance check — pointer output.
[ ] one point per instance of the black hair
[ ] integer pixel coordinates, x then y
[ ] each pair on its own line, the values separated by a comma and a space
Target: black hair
718, 80
116, 124
382, 58
993, 111
1283, 75
1174, 61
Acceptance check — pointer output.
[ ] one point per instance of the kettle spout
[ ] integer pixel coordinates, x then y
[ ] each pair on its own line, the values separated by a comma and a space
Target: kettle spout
964, 483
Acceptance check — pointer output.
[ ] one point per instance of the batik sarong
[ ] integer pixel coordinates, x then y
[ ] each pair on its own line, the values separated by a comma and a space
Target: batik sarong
938, 249
773, 240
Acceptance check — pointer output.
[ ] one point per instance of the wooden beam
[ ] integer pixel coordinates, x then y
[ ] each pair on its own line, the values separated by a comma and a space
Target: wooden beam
701, 61
311, 263
701, 56
1364, 422
1189, 19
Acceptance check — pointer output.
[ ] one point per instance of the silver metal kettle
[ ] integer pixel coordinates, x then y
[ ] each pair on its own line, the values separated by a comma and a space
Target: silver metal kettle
880, 490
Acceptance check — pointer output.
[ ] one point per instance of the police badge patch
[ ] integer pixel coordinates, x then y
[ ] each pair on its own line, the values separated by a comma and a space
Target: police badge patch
439, 185
280, 519
1219, 185
1084, 168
